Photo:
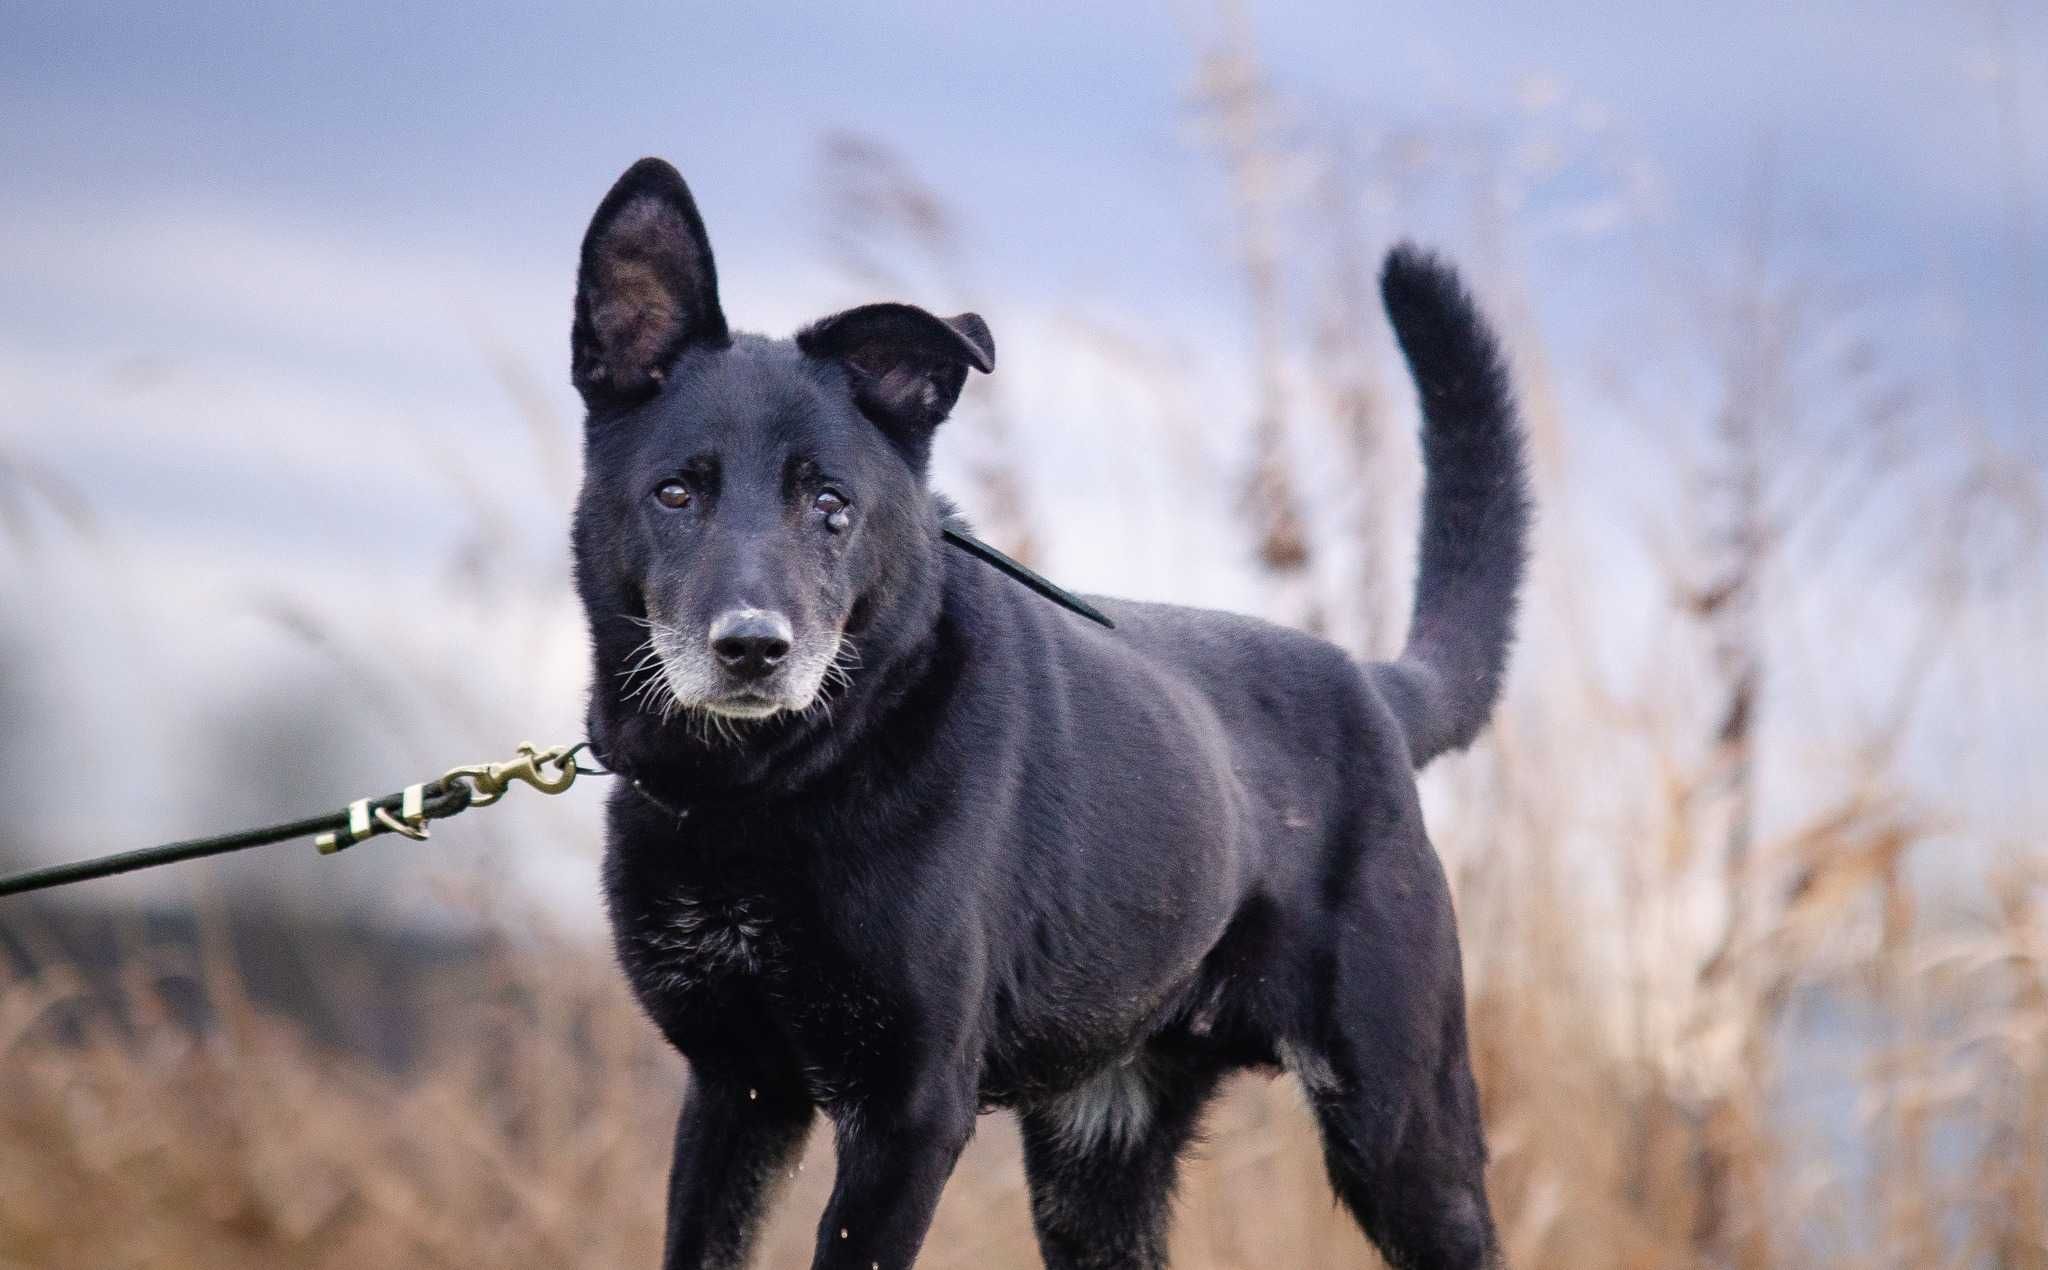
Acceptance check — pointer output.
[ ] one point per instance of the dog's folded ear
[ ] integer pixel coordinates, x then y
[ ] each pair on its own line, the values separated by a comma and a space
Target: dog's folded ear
645, 289
906, 365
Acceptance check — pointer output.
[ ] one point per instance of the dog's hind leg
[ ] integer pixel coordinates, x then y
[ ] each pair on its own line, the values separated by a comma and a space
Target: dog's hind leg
1391, 1087
1102, 1161
1414, 1182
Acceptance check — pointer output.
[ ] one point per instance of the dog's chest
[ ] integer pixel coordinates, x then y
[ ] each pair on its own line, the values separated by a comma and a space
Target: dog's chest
715, 966
688, 939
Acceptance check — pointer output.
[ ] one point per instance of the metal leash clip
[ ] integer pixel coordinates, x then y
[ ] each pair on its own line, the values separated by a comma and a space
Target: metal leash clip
550, 771
488, 781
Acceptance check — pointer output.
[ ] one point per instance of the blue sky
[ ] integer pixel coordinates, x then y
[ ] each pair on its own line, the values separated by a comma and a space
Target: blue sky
1060, 132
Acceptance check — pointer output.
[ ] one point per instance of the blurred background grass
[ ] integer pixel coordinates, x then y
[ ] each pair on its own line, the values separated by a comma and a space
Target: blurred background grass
1751, 869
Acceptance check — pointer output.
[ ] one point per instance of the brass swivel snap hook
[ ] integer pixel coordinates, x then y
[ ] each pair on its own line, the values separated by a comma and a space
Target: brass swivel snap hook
550, 771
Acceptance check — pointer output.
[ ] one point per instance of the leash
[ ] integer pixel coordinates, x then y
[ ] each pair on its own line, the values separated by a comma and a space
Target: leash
408, 812
1017, 572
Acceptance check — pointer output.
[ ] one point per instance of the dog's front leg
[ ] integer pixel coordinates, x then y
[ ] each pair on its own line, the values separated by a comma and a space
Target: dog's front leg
894, 1158
734, 1144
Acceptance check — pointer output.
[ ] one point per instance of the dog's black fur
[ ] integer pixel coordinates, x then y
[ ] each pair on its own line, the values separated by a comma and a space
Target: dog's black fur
990, 855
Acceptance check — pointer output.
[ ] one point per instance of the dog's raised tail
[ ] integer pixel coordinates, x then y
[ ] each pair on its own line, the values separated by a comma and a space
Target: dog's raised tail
1475, 510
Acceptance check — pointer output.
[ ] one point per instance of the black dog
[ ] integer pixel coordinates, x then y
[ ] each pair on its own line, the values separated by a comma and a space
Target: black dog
906, 842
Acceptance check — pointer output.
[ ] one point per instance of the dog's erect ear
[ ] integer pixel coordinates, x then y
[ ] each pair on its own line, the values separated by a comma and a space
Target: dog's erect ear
646, 286
907, 365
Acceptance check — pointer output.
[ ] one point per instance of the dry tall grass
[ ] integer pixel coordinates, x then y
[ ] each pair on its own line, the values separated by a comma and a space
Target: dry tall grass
1704, 1035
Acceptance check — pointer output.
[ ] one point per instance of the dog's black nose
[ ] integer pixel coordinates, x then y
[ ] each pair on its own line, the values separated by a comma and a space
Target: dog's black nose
750, 642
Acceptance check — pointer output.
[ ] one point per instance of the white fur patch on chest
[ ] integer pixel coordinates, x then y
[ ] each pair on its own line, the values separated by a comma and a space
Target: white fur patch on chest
698, 939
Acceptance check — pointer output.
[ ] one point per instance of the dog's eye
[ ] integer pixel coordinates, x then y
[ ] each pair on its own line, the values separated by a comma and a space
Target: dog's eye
832, 505
673, 495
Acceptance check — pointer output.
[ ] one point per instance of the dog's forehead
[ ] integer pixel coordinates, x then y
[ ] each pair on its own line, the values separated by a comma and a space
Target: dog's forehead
755, 395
